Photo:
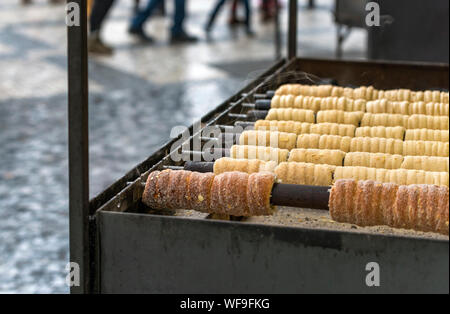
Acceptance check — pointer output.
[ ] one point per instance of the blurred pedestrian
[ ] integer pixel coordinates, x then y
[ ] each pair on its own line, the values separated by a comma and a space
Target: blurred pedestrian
233, 13
268, 9
218, 7
178, 33
25, 2
100, 9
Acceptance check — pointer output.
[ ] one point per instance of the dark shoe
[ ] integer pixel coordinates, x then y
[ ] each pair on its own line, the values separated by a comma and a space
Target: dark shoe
140, 34
96, 46
183, 38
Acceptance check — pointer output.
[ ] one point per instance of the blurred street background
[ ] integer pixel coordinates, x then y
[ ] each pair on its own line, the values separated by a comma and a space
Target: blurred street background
136, 96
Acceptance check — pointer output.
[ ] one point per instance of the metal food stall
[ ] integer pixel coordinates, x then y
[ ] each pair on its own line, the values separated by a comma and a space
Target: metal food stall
122, 246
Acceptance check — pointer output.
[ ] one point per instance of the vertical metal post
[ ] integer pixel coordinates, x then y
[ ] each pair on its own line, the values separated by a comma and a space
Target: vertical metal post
292, 33
79, 146
277, 31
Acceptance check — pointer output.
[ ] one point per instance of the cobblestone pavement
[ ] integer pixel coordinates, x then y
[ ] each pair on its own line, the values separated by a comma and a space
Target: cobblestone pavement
136, 97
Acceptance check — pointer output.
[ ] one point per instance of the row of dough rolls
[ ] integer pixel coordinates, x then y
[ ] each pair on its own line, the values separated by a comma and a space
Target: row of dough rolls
373, 145
407, 108
347, 144
273, 139
398, 176
259, 152
365, 203
416, 121
335, 157
317, 104
305, 128
289, 114
230, 193
359, 118
327, 128
388, 161
286, 172
326, 116
368, 203
307, 173
363, 92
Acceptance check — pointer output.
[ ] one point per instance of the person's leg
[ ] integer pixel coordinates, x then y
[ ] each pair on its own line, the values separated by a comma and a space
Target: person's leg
214, 13
248, 15
99, 12
179, 35
233, 14
179, 16
141, 17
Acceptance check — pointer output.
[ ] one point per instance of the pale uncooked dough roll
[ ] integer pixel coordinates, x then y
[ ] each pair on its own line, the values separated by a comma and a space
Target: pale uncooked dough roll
407, 177
283, 126
386, 106
289, 114
335, 142
420, 121
296, 102
361, 173
384, 119
326, 91
259, 152
333, 129
426, 135
305, 90
367, 93
243, 165
373, 160
397, 176
342, 103
395, 132
430, 109
324, 142
318, 103
317, 156
275, 139
304, 173
339, 116
423, 148
426, 163
377, 145
308, 141
369, 203
410, 96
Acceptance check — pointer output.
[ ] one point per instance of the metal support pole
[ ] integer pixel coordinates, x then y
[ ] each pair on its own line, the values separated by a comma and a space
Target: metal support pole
277, 31
292, 34
79, 146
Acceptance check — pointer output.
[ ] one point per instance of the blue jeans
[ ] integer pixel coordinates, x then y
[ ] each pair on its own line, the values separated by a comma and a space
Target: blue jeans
180, 13
219, 6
